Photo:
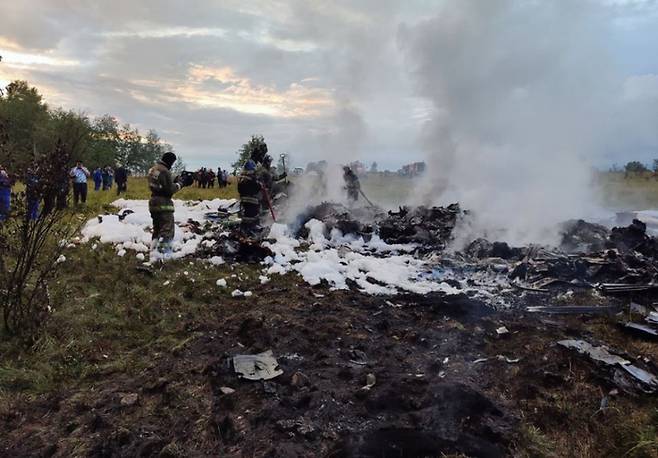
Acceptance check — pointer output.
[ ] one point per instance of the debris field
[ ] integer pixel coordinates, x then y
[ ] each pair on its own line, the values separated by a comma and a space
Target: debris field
368, 336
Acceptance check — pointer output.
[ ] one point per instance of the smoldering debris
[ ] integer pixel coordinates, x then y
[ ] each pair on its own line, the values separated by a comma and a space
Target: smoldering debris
625, 261
430, 228
340, 245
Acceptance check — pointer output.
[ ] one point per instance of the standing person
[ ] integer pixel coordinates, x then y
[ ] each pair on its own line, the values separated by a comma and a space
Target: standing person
121, 177
220, 178
98, 178
32, 194
204, 178
161, 205
63, 193
5, 194
352, 184
211, 178
110, 177
250, 192
106, 178
225, 177
79, 173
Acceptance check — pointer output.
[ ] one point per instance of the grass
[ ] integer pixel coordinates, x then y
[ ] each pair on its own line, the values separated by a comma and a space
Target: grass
98, 327
635, 193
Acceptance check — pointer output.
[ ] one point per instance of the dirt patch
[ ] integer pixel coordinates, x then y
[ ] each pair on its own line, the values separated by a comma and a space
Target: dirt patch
439, 384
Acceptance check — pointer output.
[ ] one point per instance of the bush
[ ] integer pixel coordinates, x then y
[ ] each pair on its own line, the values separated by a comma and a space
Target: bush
31, 242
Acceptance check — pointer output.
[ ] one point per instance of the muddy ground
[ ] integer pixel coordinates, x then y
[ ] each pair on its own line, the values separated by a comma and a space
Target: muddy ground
430, 398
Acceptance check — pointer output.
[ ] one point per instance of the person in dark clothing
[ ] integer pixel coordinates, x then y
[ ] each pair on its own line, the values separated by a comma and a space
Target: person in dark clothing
32, 194
352, 184
98, 178
79, 174
63, 194
5, 194
121, 177
110, 177
221, 183
211, 178
250, 191
108, 174
161, 206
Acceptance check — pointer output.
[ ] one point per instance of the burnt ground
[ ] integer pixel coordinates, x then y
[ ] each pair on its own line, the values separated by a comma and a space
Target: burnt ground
430, 397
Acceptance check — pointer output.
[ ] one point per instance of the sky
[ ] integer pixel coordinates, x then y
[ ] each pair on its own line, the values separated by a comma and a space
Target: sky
337, 79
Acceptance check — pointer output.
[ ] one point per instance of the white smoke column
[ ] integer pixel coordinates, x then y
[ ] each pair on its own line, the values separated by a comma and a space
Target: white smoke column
339, 145
522, 92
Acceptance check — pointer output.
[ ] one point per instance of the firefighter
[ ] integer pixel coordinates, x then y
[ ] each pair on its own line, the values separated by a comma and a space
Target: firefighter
352, 184
161, 206
250, 196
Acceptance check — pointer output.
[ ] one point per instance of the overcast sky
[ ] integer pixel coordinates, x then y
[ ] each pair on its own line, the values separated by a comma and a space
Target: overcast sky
317, 78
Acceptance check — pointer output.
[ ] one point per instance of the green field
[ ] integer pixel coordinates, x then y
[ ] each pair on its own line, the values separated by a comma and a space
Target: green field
636, 193
615, 191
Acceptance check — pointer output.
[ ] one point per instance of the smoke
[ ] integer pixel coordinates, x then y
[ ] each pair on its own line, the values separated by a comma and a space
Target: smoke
526, 96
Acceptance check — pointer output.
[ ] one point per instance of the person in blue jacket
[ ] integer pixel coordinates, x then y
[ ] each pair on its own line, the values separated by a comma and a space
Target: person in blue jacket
32, 194
98, 178
5, 194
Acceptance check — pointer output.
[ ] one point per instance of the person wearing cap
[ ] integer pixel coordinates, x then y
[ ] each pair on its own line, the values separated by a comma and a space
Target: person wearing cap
5, 194
250, 192
161, 206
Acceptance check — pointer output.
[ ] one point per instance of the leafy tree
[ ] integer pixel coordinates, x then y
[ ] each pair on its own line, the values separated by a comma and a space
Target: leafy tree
635, 167
73, 130
104, 142
151, 150
32, 130
255, 148
128, 148
25, 117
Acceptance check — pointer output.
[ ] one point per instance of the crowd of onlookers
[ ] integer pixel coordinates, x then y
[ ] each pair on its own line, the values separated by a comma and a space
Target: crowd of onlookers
205, 178
103, 178
40, 202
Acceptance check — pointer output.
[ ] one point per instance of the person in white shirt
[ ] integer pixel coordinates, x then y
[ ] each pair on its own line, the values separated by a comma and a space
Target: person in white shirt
79, 174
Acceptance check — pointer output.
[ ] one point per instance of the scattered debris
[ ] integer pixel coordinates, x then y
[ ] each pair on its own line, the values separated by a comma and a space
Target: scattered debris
300, 425
129, 399
262, 366
641, 330
226, 390
507, 359
298, 379
370, 382
648, 381
502, 331
574, 309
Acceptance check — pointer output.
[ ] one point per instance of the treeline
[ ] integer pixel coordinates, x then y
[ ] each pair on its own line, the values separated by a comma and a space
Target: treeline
635, 167
32, 129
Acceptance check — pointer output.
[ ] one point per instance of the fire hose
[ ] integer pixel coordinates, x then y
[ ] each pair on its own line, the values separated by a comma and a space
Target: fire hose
366, 198
269, 201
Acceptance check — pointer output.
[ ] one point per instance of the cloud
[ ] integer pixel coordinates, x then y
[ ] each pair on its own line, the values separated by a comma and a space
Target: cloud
315, 78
